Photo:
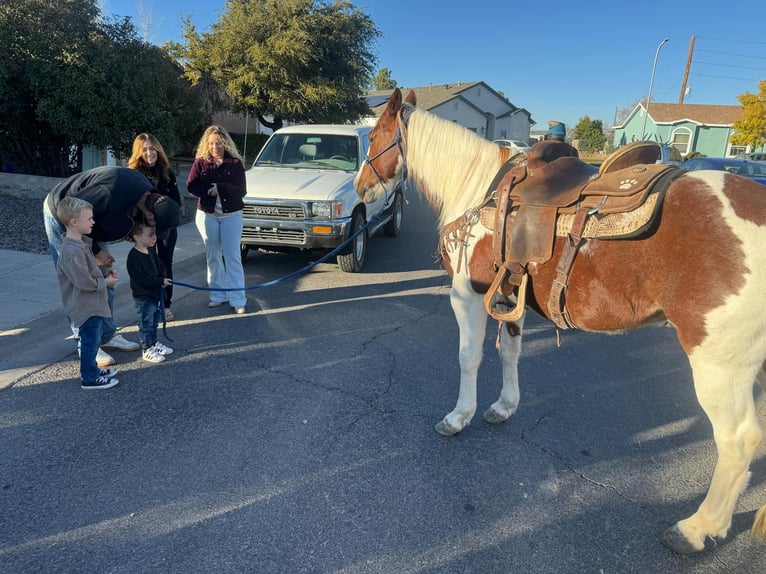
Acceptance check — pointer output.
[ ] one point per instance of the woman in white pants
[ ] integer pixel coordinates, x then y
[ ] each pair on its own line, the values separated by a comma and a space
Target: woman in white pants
217, 179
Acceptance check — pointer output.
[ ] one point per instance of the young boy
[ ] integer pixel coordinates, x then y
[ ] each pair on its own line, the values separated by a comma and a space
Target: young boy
83, 288
147, 280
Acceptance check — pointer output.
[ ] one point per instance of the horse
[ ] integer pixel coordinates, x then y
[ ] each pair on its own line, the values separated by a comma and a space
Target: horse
701, 269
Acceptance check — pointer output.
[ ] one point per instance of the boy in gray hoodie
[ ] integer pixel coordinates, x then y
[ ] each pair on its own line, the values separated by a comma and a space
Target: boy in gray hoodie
83, 288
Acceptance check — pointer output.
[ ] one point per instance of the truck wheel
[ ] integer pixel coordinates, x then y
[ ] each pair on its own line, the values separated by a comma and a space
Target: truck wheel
394, 227
243, 251
353, 260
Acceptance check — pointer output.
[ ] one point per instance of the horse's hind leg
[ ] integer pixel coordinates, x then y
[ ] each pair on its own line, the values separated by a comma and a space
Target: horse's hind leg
472, 322
726, 395
509, 338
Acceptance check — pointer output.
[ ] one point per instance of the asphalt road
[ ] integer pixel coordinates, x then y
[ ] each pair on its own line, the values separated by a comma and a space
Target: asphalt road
301, 439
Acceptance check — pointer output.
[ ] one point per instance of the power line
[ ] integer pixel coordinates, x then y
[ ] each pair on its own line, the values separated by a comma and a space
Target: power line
729, 65
698, 75
734, 55
730, 41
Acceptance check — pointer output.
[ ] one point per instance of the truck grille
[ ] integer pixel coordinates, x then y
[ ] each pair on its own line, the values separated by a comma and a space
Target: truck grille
260, 210
274, 236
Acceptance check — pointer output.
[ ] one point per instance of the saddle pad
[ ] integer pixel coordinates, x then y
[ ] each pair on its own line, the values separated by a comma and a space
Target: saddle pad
614, 225
625, 224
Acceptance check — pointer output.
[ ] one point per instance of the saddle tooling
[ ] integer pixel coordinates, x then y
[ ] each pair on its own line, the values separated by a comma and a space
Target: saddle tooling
555, 194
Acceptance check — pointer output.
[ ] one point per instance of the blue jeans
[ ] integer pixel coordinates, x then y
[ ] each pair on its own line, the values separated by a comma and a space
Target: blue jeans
89, 336
55, 232
222, 236
149, 316
165, 251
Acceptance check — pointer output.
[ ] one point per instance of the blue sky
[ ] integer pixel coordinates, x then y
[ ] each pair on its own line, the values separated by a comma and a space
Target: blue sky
561, 60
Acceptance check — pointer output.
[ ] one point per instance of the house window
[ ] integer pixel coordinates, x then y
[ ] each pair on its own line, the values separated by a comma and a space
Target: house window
681, 139
736, 150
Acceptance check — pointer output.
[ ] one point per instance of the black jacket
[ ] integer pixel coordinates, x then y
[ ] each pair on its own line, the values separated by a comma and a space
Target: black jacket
147, 273
113, 192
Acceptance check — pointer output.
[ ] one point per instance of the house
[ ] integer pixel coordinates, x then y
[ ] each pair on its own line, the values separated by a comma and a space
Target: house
473, 105
705, 129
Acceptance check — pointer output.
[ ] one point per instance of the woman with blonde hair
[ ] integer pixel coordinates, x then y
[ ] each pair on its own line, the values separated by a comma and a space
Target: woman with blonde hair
217, 179
149, 158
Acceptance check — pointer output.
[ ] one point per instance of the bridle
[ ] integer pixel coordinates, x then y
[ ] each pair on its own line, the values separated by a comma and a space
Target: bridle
403, 118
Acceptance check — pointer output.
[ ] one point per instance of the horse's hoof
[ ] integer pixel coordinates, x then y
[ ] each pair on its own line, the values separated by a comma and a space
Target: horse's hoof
492, 417
677, 542
445, 430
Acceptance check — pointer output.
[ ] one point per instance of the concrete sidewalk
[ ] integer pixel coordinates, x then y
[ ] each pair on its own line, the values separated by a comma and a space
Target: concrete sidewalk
33, 326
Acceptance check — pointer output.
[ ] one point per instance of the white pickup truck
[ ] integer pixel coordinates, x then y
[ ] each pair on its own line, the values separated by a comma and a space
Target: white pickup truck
301, 197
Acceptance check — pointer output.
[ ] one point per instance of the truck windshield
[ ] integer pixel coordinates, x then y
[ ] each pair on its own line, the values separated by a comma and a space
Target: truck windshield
310, 151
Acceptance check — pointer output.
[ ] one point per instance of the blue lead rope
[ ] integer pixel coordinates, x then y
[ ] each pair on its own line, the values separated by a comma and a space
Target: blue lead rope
324, 258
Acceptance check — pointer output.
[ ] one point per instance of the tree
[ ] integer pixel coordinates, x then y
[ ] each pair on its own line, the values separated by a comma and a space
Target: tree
383, 80
751, 129
86, 81
302, 60
590, 133
621, 114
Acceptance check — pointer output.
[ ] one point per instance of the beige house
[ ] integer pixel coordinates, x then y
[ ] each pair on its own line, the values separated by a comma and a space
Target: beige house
473, 105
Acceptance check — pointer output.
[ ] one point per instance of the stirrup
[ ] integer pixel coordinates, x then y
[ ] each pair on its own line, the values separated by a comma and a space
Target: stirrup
490, 304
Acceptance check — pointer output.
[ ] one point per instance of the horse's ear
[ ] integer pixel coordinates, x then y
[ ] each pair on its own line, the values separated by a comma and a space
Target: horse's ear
394, 102
411, 99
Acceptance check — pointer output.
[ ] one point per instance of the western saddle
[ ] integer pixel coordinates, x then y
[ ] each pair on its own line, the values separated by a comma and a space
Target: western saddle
557, 194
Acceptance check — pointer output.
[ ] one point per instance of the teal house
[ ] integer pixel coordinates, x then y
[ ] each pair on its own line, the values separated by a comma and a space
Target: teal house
690, 128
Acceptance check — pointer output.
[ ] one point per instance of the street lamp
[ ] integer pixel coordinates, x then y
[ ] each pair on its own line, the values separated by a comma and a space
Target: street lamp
651, 82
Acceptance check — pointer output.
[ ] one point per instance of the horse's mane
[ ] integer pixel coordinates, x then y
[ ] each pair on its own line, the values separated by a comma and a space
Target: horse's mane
451, 165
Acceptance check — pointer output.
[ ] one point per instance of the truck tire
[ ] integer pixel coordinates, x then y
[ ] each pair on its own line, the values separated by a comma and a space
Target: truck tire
352, 261
394, 227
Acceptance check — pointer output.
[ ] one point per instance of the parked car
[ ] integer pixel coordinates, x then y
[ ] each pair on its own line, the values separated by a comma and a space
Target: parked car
755, 156
755, 170
516, 146
301, 197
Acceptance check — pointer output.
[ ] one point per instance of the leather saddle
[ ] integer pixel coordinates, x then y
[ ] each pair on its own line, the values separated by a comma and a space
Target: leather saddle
533, 200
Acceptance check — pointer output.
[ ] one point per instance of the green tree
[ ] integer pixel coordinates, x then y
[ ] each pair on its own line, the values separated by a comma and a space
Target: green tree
383, 80
751, 129
302, 60
86, 81
590, 133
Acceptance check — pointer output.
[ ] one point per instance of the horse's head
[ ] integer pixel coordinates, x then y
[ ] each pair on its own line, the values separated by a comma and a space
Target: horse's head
384, 168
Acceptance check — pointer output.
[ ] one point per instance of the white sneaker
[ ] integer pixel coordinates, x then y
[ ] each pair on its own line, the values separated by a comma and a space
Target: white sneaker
103, 359
153, 356
162, 349
121, 344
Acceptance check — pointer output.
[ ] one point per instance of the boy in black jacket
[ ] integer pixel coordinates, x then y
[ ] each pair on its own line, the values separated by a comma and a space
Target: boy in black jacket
147, 280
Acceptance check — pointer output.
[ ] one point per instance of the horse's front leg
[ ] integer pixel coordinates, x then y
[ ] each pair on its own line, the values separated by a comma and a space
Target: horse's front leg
509, 339
472, 323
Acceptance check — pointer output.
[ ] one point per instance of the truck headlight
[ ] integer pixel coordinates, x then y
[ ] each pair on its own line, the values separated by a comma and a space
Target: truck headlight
321, 209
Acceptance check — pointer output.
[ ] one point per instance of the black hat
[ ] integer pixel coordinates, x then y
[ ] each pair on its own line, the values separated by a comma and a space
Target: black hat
167, 213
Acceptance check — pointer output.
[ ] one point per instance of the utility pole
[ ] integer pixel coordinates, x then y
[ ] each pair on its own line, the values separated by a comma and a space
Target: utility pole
686, 72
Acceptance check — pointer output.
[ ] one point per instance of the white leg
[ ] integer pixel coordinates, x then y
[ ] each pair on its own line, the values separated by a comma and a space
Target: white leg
726, 394
472, 322
510, 350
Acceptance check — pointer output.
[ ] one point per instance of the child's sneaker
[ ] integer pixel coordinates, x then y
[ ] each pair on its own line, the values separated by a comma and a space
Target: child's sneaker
162, 349
107, 372
99, 383
153, 356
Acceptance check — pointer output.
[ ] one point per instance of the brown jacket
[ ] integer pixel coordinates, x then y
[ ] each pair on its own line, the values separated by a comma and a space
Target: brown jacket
82, 283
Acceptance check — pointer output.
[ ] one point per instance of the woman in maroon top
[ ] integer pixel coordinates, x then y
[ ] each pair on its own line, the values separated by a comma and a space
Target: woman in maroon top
217, 179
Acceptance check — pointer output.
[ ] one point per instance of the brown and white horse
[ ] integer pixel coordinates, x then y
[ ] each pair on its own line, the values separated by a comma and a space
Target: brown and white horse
703, 269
